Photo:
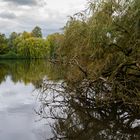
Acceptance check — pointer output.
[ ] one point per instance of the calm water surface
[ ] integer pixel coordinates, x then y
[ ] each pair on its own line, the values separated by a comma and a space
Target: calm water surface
18, 99
26, 113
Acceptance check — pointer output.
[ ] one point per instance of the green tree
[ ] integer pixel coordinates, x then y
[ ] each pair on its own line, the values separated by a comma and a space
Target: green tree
32, 48
54, 42
36, 32
104, 47
3, 44
11, 41
12, 37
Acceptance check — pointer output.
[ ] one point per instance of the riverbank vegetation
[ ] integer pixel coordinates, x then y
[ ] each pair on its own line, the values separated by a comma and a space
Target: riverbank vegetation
23, 45
103, 47
29, 45
101, 51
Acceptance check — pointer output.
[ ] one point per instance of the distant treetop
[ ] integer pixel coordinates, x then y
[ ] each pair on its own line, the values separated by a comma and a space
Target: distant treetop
36, 32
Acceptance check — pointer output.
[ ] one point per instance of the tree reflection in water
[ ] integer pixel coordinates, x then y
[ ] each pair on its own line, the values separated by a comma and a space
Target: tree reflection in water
71, 107
78, 117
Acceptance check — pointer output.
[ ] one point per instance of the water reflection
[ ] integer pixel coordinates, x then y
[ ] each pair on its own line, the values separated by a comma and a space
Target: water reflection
76, 116
27, 71
37, 103
19, 84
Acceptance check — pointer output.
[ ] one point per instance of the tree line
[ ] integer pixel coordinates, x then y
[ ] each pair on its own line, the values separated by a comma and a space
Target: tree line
28, 44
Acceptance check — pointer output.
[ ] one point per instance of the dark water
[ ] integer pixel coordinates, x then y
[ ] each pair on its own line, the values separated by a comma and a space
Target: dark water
30, 112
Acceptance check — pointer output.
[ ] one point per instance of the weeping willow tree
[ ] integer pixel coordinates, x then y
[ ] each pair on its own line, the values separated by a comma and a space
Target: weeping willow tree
102, 45
28, 46
32, 48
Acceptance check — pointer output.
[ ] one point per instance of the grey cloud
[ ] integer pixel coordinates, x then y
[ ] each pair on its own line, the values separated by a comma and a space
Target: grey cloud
26, 14
22, 2
7, 15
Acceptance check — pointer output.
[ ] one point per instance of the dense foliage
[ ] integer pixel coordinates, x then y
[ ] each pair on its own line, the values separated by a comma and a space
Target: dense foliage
3, 44
54, 42
31, 47
102, 45
36, 32
27, 45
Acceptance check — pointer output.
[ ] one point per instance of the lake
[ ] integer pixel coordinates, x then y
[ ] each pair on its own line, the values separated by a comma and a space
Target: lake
34, 106
18, 100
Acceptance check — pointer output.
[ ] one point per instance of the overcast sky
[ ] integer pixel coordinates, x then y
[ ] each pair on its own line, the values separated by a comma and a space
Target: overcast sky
50, 15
